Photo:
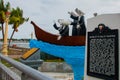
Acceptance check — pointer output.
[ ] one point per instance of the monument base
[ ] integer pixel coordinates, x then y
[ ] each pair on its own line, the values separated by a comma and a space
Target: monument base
102, 55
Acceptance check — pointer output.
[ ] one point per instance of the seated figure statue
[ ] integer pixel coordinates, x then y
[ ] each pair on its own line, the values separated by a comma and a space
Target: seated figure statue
63, 28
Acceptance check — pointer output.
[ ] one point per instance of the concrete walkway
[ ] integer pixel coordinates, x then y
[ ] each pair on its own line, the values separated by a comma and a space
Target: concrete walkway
60, 76
56, 75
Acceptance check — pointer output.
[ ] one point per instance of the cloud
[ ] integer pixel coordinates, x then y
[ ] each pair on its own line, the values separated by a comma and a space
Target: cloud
43, 12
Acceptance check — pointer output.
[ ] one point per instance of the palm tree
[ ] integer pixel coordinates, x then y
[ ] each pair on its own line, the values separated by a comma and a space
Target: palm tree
3, 12
17, 19
2, 16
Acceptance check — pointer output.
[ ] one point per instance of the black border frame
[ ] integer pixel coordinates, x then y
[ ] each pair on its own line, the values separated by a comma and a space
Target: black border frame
102, 76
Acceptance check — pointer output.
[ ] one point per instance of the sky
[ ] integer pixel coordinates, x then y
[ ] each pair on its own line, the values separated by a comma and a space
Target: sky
45, 12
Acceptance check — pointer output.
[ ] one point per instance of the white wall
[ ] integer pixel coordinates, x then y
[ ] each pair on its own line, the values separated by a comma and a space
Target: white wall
110, 20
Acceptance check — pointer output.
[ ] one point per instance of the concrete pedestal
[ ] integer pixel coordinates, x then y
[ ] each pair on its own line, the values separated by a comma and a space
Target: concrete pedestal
32, 60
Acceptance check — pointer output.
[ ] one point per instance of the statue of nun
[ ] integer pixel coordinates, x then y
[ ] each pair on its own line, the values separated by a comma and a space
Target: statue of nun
78, 23
63, 28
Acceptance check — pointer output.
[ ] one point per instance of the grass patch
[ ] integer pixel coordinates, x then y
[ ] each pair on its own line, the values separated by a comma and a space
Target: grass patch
54, 60
7, 64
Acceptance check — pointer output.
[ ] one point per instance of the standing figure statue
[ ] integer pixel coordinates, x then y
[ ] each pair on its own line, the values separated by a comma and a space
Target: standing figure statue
79, 27
74, 23
63, 28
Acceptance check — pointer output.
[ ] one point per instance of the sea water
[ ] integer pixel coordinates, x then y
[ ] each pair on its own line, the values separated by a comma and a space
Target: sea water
18, 44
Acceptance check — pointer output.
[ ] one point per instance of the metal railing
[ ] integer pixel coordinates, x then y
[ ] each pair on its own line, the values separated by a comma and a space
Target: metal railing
7, 74
30, 72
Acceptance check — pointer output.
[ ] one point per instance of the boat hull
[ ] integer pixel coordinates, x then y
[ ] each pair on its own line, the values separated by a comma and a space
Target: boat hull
51, 38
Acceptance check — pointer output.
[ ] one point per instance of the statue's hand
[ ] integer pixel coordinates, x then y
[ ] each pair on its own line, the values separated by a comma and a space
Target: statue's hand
59, 37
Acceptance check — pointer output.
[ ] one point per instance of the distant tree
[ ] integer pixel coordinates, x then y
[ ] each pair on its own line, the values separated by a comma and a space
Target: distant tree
16, 19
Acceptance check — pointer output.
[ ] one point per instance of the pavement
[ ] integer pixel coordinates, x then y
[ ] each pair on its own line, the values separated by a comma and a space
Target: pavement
60, 76
55, 75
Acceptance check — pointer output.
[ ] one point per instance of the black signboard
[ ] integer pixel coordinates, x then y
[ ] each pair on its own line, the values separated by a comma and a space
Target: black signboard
102, 55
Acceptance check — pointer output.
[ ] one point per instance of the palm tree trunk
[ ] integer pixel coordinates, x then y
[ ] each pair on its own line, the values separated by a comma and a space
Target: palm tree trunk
2, 30
11, 38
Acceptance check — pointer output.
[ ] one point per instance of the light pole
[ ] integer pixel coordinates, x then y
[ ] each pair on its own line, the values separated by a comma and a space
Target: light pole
5, 42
